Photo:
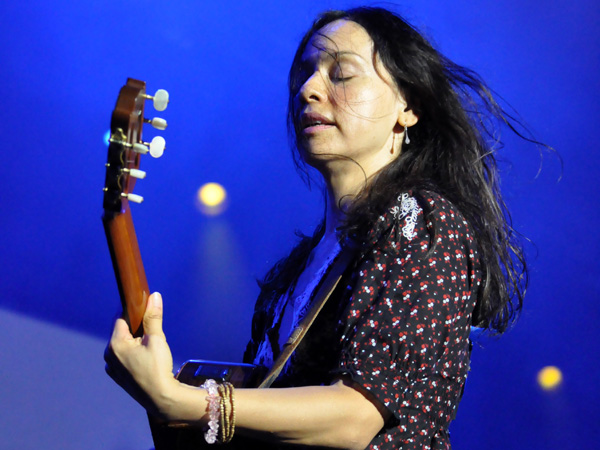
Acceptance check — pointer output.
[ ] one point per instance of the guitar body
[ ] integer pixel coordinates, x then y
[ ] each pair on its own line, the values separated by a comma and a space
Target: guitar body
122, 170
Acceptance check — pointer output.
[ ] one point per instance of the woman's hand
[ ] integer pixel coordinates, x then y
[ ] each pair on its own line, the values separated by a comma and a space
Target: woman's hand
144, 366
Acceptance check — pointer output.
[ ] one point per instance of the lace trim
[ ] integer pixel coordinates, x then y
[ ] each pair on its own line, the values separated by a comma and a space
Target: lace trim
408, 210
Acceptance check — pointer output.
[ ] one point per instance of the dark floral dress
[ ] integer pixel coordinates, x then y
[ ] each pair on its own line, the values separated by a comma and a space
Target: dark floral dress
398, 324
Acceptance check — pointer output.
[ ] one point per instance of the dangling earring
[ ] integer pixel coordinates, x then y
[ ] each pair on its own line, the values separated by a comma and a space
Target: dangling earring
406, 138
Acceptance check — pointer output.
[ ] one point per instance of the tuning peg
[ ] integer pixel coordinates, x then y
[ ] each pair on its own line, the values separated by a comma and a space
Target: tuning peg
157, 122
136, 173
160, 99
141, 148
157, 147
133, 198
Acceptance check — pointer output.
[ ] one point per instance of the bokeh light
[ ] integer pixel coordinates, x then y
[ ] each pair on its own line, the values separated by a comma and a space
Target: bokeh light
549, 378
212, 198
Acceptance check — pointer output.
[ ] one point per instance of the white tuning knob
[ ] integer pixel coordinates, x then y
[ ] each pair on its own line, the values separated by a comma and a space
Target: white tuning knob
133, 198
157, 147
158, 123
160, 100
136, 173
140, 148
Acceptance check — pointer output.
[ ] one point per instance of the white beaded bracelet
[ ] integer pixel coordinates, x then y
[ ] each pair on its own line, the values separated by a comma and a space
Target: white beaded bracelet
214, 411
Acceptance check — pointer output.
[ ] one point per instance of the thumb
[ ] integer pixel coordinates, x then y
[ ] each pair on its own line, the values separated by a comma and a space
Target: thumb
154, 315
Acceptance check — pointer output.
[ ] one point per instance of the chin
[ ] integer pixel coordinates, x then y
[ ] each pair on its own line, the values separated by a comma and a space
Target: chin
319, 158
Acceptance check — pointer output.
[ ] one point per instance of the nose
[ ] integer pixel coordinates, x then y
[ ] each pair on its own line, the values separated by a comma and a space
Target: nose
314, 89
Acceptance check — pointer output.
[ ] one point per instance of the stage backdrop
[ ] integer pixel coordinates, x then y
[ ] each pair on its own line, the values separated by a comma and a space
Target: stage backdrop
225, 65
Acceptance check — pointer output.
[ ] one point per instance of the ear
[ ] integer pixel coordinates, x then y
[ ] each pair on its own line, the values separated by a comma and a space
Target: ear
407, 118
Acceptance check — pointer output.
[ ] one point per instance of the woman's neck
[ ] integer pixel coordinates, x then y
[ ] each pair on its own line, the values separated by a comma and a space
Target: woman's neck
341, 191
345, 178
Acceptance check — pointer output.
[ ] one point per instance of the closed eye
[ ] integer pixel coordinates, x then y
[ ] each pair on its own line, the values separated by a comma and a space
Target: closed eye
340, 79
337, 73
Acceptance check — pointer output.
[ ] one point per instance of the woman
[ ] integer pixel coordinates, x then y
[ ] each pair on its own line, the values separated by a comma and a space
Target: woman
411, 191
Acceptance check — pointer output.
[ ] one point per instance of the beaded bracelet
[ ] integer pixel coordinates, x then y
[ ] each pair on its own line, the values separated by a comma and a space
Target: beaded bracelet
214, 402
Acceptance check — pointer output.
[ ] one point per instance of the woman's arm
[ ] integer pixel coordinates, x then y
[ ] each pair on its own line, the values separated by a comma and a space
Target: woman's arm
341, 415
337, 416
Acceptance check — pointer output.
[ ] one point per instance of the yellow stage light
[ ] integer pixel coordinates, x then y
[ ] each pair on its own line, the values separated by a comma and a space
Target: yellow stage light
549, 378
211, 198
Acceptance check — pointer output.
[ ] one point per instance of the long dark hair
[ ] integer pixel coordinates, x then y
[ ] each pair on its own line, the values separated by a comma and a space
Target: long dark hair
451, 152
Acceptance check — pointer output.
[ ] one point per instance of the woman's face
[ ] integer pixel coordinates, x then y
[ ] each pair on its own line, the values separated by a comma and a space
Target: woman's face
347, 104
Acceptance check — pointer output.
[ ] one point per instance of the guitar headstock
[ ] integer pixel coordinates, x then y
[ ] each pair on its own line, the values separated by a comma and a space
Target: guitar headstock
122, 170
126, 145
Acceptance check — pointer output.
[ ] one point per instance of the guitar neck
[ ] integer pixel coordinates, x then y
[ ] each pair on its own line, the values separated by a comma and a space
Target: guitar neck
128, 266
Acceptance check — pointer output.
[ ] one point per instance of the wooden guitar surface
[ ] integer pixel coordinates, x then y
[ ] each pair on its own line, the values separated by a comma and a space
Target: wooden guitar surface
126, 130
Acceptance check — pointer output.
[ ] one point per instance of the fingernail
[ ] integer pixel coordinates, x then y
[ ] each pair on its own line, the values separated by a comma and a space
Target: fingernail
157, 299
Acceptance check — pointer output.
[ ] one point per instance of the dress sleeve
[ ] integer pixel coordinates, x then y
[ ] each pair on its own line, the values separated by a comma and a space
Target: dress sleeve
406, 326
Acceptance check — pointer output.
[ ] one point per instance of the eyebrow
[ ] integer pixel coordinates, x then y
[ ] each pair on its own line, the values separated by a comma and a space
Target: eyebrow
335, 54
346, 52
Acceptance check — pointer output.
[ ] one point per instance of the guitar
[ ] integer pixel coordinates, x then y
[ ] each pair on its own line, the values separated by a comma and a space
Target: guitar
125, 150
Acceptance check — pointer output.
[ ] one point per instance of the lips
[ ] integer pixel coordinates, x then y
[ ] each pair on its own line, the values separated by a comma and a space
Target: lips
313, 121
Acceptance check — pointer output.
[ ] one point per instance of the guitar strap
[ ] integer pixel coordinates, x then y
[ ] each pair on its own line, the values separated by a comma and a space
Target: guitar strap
325, 290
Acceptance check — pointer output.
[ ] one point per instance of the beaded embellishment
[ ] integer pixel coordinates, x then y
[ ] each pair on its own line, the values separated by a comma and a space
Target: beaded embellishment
213, 399
408, 210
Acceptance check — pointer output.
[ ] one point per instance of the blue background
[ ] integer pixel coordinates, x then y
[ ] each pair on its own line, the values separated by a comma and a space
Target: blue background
225, 65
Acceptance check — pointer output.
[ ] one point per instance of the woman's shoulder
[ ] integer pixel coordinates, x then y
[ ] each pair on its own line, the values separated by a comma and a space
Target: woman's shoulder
417, 212
431, 203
